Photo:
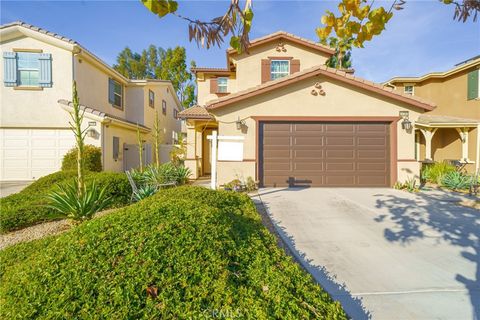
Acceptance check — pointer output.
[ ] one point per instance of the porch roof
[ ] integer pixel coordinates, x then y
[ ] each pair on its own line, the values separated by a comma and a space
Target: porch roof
434, 121
195, 112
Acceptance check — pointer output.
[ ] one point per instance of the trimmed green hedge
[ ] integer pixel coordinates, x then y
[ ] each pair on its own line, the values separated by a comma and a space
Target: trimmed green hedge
27, 207
92, 157
186, 252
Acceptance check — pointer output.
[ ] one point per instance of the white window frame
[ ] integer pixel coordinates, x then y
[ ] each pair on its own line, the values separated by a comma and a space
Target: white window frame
224, 87
19, 69
276, 72
409, 85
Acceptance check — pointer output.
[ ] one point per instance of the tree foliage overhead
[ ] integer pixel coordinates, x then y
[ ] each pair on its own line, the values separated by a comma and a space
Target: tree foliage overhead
157, 63
358, 22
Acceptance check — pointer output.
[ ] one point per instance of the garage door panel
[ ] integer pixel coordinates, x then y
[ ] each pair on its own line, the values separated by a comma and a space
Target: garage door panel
308, 154
340, 154
15, 143
44, 153
15, 153
32, 153
277, 141
339, 141
308, 141
325, 154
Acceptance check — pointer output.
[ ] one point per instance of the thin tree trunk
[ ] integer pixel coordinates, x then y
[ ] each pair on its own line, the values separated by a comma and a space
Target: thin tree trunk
79, 137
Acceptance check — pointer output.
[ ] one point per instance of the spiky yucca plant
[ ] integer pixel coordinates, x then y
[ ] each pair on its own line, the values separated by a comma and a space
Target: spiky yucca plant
77, 206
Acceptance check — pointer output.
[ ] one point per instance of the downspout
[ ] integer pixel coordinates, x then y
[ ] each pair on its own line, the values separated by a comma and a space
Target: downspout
478, 149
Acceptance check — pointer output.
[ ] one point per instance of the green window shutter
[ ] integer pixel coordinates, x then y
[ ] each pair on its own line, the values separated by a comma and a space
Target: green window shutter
10, 69
45, 79
111, 95
472, 87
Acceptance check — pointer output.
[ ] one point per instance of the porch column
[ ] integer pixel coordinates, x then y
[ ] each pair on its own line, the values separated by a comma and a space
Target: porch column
428, 134
463, 132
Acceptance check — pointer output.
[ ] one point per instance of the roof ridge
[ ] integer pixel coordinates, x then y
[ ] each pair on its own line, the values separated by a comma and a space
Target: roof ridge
340, 75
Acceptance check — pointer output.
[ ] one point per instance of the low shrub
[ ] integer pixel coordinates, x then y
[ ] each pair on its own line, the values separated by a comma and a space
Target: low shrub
410, 185
456, 180
28, 207
434, 172
166, 173
185, 253
92, 156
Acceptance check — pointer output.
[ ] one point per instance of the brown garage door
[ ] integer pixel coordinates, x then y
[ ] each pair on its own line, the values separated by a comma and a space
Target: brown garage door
324, 154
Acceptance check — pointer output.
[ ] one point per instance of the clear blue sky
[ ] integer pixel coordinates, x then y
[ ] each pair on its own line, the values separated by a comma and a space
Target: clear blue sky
420, 39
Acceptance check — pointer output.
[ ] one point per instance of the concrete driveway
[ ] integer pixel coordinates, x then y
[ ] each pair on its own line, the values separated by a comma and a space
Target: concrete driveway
8, 188
383, 253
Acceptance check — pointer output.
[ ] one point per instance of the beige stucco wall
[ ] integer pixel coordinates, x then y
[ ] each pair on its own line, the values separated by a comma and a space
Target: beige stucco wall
296, 100
37, 108
248, 65
203, 87
450, 95
92, 87
127, 136
168, 123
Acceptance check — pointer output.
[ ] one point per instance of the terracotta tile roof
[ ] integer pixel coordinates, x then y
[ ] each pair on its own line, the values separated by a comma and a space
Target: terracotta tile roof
101, 114
34, 28
475, 61
330, 73
288, 36
195, 112
206, 69
439, 120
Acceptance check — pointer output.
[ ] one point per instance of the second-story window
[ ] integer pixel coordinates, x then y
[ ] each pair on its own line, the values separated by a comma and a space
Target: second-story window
164, 107
279, 69
151, 98
28, 69
408, 89
473, 85
115, 93
222, 83
175, 113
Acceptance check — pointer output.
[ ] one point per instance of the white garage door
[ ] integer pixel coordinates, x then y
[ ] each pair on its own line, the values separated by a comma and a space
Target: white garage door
28, 154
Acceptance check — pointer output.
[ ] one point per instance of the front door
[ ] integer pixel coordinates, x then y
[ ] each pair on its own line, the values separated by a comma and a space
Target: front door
206, 157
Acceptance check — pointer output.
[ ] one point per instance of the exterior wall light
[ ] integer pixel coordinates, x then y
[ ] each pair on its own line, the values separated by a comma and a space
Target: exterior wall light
92, 133
240, 123
407, 124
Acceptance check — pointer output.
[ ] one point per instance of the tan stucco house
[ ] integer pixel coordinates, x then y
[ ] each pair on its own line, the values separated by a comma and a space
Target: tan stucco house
450, 132
38, 68
295, 122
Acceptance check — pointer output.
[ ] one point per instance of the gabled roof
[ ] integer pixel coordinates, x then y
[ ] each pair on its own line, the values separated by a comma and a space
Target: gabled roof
290, 37
329, 73
211, 70
103, 115
195, 112
75, 47
459, 67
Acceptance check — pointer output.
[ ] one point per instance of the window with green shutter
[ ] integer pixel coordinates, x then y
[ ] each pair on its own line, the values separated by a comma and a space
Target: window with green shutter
473, 85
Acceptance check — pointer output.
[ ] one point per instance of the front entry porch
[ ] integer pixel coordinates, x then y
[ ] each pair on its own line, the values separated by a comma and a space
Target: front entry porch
448, 139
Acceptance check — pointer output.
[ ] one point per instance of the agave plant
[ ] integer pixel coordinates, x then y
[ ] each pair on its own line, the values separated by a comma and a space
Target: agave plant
144, 192
456, 180
79, 206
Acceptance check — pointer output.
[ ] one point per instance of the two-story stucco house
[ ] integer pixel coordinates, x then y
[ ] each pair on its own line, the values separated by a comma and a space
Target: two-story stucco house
450, 131
38, 68
295, 122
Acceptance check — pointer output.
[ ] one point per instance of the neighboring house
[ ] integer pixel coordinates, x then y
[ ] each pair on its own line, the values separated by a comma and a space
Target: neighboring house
450, 132
38, 70
303, 124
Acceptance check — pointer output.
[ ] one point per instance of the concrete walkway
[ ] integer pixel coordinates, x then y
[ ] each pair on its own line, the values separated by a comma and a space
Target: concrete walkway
8, 188
384, 253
